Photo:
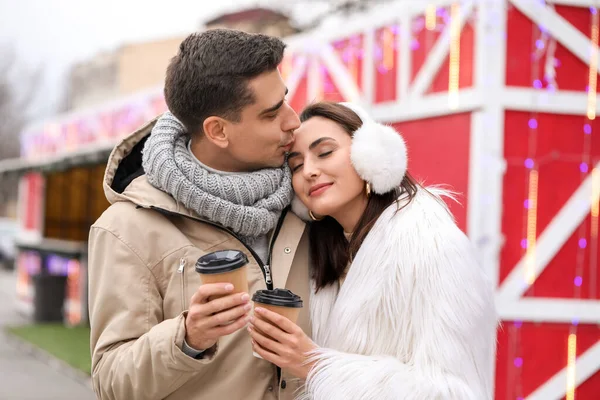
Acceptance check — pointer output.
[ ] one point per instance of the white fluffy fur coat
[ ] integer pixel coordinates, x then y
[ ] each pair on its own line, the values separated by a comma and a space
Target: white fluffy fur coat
414, 318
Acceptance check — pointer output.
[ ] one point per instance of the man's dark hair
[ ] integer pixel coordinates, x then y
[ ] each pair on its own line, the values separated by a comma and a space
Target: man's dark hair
209, 75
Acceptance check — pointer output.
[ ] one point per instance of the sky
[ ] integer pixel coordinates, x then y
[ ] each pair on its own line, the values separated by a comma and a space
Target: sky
53, 34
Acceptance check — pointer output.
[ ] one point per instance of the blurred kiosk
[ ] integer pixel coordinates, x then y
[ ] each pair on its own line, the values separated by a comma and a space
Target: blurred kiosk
61, 166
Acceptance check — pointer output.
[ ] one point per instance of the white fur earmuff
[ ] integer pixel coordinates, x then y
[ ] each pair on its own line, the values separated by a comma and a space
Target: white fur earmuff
378, 154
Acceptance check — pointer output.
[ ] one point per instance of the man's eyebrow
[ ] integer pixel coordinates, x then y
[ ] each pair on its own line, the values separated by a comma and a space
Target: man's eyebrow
275, 107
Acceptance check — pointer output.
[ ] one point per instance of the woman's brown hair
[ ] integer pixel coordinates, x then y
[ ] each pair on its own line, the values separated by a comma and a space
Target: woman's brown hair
329, 249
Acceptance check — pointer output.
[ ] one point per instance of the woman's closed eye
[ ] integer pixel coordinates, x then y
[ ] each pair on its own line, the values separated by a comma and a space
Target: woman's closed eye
295, 167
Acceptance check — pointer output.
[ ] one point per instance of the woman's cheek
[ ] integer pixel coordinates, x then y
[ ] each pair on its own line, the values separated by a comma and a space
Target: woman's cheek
296, 184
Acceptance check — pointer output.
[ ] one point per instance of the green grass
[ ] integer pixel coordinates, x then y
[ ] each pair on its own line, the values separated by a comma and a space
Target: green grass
72, 345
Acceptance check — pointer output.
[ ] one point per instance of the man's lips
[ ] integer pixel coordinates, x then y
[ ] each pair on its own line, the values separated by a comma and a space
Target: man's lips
317, 189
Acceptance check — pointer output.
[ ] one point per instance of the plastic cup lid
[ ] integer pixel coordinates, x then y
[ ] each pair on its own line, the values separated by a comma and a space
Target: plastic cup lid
278, 297
221, 261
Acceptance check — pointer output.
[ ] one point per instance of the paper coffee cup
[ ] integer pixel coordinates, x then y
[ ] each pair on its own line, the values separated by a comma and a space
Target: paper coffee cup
224, 266
280, 301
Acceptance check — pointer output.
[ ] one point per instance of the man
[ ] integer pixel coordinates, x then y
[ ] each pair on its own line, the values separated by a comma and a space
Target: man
211, 177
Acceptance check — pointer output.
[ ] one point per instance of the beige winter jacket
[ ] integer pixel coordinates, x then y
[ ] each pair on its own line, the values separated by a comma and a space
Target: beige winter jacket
142, 252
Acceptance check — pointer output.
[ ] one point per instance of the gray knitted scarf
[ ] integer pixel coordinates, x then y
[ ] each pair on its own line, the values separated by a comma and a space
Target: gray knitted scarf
247, 203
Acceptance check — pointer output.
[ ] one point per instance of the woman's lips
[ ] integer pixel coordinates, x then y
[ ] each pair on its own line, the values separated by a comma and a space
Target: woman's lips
319, 189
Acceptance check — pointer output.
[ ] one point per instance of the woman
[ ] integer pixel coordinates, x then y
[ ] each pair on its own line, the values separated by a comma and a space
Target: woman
400, 307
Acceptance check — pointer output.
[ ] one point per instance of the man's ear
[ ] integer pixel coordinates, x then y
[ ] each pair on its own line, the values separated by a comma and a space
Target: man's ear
214, 130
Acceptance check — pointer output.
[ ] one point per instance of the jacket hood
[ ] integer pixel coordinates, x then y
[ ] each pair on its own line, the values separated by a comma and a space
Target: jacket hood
125, 179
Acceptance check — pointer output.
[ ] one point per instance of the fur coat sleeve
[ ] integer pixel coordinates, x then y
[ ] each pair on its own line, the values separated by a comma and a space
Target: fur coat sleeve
414, 318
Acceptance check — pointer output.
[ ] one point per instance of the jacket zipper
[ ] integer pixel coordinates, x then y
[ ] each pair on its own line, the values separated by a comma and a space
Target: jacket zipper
265, 268
181, 271
270, 254
268, 278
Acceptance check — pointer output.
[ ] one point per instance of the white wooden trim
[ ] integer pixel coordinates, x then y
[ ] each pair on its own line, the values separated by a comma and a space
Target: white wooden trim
368, 66
378, 16
534, 309
315, 81
437, 55
559, 102
565, 33
574, 3
433, 105
477, 213
487, 165
486, 159
340, 75
419, 7
560, 229
404, 61
555, 388
293, 80
475, 230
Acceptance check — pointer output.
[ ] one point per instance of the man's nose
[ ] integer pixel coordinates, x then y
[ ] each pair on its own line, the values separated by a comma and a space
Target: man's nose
291, 122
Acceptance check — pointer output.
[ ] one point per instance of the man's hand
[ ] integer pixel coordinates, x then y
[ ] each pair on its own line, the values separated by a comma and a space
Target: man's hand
209, 318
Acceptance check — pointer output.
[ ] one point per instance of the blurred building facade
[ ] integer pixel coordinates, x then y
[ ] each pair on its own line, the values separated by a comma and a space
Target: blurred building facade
93, 81
143, 65
255, 20
139, 66
127, 70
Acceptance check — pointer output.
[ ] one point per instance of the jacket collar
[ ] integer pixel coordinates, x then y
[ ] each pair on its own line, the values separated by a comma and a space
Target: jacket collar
124, 179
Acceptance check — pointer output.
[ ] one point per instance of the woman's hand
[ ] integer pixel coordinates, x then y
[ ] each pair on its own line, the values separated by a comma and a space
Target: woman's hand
280, 341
